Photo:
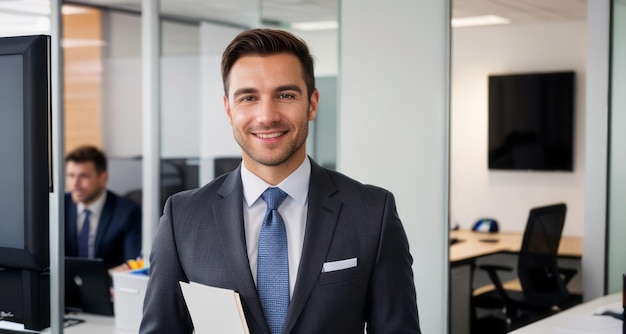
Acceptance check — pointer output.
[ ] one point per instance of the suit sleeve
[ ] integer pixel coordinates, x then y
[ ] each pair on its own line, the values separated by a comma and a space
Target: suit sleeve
392, 305
164, 308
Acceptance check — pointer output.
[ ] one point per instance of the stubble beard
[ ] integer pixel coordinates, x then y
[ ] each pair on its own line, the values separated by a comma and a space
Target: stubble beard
280, 156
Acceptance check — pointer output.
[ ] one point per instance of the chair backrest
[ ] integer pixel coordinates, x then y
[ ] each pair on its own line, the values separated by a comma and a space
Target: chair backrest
537, 267
224, 165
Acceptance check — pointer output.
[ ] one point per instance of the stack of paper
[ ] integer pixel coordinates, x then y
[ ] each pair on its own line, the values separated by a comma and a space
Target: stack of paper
214, 310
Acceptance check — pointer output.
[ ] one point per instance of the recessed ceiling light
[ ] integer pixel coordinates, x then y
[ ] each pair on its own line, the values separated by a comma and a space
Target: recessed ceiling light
70, 10
314, 25
484, 20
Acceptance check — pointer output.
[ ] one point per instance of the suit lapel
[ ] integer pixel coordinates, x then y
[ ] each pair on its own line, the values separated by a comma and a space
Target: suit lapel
70, 227
323, 212
105, 219
228, 215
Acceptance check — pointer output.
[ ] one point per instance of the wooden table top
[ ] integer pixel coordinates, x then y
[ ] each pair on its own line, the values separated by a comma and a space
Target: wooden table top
476, 244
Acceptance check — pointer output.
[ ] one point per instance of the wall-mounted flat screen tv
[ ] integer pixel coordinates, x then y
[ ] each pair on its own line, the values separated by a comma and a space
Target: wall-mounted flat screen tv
531, 121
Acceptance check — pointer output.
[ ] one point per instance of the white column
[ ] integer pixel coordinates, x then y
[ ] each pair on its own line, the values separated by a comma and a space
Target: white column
150, 57
596, 144
393, 128
57, 206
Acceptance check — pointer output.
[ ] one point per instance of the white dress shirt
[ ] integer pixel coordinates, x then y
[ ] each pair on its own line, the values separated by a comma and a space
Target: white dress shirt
293, 210
94, 219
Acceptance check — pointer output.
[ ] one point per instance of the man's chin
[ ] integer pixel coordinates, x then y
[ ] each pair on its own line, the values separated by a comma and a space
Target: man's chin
77, 199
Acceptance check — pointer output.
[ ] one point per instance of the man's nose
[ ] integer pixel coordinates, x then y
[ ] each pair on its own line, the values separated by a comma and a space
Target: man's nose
72, 182
268, 112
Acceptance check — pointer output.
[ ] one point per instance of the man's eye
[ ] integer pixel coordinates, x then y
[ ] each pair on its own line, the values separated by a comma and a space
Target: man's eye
286, 96
248, 98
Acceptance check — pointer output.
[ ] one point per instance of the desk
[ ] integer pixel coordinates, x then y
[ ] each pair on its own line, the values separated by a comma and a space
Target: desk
568, 317
93, 324
472, 246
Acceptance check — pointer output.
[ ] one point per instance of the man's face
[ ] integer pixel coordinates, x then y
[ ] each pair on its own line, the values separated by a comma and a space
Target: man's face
269, 109
84, 182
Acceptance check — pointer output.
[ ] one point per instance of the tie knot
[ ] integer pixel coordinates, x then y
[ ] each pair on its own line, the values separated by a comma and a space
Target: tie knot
273, 197
87, 212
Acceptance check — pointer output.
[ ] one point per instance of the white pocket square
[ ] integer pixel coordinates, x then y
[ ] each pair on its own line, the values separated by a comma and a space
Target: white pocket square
339, 265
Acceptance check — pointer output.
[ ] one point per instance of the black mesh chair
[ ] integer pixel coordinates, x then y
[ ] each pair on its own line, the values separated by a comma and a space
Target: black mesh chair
543, 284
224, 165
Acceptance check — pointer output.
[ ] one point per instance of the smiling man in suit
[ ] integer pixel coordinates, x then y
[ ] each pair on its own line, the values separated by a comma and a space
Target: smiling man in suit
114, 230
337, 259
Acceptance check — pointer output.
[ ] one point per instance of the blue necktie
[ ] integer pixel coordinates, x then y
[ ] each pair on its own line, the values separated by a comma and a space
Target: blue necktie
273, 264
83, 238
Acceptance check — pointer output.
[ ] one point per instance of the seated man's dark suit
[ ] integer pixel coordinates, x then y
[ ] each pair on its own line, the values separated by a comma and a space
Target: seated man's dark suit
201, 239
118, 237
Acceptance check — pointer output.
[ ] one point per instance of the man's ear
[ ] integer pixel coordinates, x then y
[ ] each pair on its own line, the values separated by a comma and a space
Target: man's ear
104, 177
313, 102
227, 109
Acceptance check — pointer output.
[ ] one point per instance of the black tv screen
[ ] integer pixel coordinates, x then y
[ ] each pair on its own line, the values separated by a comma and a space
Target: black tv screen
531, 121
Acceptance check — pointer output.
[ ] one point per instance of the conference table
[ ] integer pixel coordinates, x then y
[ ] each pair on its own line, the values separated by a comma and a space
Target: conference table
469, 247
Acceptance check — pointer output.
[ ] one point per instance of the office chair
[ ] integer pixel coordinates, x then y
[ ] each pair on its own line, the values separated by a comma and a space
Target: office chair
173, 178
224, 165
543, 283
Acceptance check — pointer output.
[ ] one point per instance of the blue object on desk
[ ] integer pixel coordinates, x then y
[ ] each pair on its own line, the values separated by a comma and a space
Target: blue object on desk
486, 225
142, 271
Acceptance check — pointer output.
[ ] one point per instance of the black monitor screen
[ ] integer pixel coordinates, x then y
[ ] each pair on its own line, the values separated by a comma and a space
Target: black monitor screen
24, 180
12, 149
24, 152
531, 121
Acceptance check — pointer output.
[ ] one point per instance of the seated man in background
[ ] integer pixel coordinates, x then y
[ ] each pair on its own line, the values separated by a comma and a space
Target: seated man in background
113, 232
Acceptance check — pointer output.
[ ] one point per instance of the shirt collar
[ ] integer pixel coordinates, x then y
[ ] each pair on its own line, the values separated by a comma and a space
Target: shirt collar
296, 185
95, 207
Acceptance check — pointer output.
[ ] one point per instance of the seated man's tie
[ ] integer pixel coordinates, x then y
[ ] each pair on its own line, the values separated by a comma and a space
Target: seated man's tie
83, 238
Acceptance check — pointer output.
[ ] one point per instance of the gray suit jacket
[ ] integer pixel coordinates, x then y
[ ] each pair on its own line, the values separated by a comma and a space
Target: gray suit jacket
201, 239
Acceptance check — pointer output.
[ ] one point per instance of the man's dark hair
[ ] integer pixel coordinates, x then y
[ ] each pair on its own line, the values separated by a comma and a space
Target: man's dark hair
267, 42
88, 153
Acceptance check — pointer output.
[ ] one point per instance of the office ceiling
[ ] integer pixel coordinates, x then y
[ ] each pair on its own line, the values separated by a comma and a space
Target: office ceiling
31, 16
242, 12
523, 11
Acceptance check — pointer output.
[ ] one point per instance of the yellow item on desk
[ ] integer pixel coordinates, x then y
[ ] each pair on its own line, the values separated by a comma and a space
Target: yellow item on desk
135, 264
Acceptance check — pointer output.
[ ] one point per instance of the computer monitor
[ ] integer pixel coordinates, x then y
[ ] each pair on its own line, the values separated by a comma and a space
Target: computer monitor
87, 286
25, 180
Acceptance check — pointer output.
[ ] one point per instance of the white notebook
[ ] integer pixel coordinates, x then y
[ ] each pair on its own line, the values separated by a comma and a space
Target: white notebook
214, 310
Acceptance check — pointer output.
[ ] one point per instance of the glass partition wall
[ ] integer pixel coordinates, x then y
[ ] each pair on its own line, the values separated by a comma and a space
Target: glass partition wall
616, 230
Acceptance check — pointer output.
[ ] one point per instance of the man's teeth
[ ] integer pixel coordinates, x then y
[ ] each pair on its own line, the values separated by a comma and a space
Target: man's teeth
270, 135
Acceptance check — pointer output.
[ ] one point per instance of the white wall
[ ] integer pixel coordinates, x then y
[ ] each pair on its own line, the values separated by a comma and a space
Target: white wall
121, 114
508, 196
393, 93
216, 138
324, 48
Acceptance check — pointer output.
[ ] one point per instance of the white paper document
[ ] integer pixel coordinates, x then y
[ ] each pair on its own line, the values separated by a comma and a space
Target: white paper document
214, 310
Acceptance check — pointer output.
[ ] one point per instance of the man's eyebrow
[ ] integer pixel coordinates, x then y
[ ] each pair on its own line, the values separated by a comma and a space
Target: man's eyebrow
242, 91
289, 87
